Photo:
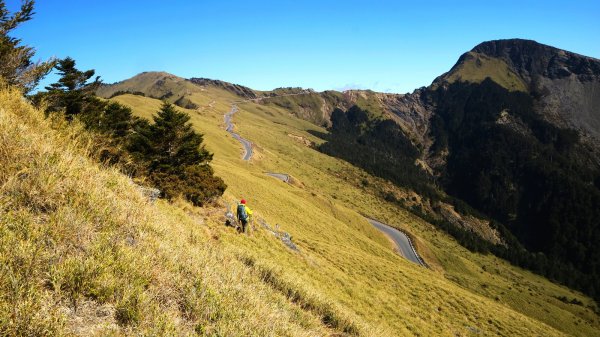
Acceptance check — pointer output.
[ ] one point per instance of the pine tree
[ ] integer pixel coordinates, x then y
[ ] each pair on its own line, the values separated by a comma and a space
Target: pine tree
72, 93
117, 120
16, 66
177, 162
171, 142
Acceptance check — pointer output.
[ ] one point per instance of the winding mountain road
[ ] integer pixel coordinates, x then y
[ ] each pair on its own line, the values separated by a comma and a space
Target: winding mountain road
403, 243
229, 124
281, 176
229, 128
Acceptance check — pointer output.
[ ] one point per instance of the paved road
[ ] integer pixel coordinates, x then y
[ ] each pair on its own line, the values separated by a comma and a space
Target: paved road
229, 127
281, 176
401, 240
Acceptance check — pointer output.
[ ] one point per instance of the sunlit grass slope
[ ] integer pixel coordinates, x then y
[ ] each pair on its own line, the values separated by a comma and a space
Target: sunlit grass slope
82, 252
346, 261
475, 67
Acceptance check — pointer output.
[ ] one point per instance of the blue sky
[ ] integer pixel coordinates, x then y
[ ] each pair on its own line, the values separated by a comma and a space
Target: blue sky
391, 46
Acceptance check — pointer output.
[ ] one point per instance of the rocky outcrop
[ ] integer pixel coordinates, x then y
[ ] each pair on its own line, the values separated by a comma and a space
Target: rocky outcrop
470, 223
412, 113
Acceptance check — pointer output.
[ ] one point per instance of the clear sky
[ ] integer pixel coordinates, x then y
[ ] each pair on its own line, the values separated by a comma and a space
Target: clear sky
391, 46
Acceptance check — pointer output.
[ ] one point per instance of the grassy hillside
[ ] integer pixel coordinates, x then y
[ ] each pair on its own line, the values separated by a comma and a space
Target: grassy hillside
346, 261
84, 253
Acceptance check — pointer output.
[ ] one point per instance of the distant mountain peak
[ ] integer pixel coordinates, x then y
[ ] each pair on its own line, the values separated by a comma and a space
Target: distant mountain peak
531, 59
520, 65
492, 47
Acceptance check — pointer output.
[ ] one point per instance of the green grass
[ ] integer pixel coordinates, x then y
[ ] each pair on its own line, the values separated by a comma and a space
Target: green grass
345, 262
306, 106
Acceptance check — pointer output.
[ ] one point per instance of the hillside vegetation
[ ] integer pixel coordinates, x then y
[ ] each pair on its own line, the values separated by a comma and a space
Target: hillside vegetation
86, 251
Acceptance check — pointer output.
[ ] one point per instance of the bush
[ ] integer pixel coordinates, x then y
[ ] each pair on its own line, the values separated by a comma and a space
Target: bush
196, 183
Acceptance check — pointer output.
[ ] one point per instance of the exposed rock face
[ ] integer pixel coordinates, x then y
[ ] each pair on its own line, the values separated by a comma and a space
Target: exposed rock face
572, 103
412, 113
470, 223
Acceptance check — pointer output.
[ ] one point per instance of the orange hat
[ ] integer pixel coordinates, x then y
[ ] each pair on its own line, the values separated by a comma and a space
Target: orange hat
243, 201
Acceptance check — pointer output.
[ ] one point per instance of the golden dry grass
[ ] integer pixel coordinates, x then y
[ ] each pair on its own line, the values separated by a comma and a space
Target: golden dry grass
84, 253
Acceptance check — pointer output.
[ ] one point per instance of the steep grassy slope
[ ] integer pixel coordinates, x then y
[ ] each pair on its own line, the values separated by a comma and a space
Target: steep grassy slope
84, 253
345, 260
474, 67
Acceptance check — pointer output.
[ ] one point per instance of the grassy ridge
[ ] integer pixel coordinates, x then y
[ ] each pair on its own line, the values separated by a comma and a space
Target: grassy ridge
345, 260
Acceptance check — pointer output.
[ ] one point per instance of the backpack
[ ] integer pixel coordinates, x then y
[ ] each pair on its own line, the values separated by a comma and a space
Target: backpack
241, 212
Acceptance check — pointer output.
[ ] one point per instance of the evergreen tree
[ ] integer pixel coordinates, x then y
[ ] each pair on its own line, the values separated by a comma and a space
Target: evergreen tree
176, 160
117, 120
16, 66
173, 142
72, 93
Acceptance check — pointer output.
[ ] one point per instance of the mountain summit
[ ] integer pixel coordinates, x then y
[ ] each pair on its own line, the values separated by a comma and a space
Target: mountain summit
531, 59
566, 86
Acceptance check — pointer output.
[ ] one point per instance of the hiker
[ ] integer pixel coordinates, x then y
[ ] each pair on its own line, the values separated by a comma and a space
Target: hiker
243, 214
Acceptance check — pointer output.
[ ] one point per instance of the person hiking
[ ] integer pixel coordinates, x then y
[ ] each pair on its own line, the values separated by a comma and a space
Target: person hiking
243, 214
